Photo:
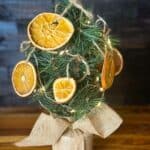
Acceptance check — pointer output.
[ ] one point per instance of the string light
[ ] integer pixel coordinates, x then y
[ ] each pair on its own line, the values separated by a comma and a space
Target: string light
99, 104
101, 89
97, 79
42, 89
73, 111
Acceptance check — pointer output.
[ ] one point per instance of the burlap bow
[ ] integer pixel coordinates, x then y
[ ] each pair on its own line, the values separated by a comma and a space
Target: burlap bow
101, 121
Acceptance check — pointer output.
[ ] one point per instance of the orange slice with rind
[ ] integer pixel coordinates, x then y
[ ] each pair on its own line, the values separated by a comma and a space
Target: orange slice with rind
24, 78
64, 89
118, 61
49, 31
108, 71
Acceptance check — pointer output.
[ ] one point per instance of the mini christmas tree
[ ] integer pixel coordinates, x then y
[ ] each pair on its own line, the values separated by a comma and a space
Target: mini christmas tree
71, 60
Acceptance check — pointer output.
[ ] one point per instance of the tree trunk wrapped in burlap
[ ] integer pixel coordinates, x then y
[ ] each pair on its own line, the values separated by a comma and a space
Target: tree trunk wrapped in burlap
63, 135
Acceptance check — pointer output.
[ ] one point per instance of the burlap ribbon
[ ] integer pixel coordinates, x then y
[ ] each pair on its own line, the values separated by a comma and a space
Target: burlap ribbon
101, 121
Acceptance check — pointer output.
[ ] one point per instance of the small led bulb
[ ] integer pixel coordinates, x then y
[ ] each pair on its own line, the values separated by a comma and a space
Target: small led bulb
101, 89
97, 78
42, 89
61, 53
34, 91
72, 111
88, 22
99, 104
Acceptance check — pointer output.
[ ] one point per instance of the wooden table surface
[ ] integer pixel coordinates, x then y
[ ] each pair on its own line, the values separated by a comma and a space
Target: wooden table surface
134, 134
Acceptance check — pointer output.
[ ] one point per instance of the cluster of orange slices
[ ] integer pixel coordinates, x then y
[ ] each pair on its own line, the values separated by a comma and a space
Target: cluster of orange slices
47, 31
113, 65
24, 80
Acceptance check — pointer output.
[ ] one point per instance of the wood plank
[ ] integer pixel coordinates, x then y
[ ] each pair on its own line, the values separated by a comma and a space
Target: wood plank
12, 147
10, 139
23, 109
21, 121
25, 127
134, 134
121, 109
25, 118
110, 143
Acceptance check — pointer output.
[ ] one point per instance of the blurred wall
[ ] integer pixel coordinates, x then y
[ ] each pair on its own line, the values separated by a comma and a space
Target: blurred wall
14, 17
130, 22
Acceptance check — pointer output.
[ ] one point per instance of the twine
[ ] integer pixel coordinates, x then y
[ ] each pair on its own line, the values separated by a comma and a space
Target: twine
78, 5
106, 32
100, 19
79, 58
30, 53
96, 45
25, 45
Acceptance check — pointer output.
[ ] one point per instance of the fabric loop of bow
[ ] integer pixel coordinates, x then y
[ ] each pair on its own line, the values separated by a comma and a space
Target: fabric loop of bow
101, 121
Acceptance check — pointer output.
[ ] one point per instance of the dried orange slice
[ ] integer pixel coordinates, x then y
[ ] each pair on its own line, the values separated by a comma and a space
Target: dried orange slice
64, 89
49, 31
108, 71
118, 61
24, 78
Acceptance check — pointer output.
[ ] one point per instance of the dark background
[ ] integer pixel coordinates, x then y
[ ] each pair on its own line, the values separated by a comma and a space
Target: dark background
129, 21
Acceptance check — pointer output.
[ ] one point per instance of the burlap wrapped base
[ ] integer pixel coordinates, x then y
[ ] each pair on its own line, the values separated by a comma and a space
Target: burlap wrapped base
63, 135
74, 140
